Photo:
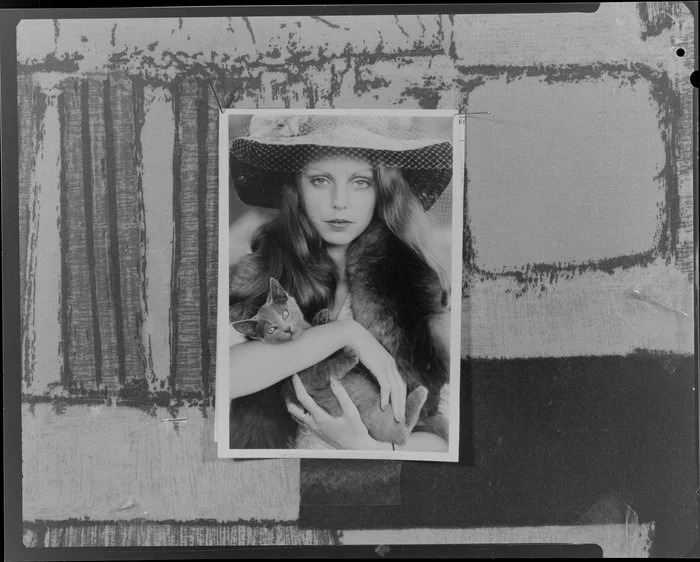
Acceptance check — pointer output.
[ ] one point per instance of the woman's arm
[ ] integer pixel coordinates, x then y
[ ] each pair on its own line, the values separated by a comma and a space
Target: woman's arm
255, 365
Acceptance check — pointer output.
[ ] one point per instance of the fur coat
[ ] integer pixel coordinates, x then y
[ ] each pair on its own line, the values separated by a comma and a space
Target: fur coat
394, 295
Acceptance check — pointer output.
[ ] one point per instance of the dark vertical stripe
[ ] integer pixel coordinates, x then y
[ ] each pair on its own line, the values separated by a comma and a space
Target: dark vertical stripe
177, 189
28, 112
202, 125
66, 378
113, 236
137, 88
89, 226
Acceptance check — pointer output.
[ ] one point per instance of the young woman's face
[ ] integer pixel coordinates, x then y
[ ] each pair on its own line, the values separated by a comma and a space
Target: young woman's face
339, 195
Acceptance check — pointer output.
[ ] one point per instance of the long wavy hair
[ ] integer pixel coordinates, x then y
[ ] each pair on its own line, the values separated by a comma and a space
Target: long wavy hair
289, 248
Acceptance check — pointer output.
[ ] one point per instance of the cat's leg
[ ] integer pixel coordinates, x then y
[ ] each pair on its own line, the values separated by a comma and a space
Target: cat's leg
414, 402
381, 423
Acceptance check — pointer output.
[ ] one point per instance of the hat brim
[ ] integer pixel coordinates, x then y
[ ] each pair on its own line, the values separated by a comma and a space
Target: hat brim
428, 169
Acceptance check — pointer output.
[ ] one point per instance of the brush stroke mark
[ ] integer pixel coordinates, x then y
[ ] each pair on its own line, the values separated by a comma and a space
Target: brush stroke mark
115, 261
129, 224
138, 111
75, 533
328, 23
101, 240
202, 115
26, 112
67, 64
89, 227
250, 29
401, 29
32, 107
27, 162
212, 228
113, 39
428, 96
540, 276
189, 344
452, 51
657, 17
174, 288
76, 310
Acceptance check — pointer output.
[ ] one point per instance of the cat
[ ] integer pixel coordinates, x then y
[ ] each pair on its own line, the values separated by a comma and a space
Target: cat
280, 320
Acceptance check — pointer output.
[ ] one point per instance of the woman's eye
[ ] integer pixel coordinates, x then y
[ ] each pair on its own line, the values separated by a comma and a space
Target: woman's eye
363, 183
271, 330
320, 182
285, 314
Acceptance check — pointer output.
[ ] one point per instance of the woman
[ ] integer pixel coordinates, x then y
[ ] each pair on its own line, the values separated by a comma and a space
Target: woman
351, 236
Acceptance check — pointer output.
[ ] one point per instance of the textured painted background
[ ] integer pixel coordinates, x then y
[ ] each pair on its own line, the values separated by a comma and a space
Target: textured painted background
579, 238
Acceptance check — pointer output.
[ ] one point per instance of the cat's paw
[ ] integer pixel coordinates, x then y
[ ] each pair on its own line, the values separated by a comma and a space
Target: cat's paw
323, 316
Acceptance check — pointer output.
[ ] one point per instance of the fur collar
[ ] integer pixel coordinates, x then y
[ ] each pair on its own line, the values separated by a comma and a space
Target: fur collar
396, 296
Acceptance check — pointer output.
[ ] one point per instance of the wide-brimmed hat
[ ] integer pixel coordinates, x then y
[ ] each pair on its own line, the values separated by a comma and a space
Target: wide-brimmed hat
276, 145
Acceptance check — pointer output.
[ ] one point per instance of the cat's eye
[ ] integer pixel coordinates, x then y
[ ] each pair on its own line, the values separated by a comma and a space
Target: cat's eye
285, 314
271, 329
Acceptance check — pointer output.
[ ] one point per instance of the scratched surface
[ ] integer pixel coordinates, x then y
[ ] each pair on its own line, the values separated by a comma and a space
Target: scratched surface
118, 180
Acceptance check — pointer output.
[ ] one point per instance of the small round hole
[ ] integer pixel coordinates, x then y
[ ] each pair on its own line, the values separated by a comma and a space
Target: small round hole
680, 52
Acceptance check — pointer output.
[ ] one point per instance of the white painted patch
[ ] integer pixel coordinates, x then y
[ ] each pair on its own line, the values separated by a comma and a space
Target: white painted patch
589, 314
122, 463
157, 137
562, 172
47, 308
616, 540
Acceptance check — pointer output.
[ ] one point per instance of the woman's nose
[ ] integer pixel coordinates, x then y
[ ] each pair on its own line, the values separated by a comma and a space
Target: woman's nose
340, 198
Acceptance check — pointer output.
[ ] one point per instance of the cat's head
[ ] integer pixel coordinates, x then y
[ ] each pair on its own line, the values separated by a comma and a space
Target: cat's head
277, 321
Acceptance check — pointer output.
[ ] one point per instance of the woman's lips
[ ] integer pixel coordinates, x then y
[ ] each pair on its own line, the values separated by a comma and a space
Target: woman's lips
338, 224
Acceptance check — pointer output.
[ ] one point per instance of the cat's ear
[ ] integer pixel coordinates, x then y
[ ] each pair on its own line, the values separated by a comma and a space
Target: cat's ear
277, 293
248, 328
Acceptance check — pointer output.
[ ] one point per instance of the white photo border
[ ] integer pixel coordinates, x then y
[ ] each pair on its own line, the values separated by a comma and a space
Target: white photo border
221, 427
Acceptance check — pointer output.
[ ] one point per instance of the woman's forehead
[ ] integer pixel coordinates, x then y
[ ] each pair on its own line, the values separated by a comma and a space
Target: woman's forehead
338, 163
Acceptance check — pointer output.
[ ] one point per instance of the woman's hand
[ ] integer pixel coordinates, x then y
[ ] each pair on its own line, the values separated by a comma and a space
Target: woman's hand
344, 432
383, 366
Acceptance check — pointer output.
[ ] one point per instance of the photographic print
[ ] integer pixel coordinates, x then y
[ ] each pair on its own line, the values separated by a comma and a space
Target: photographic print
340, 278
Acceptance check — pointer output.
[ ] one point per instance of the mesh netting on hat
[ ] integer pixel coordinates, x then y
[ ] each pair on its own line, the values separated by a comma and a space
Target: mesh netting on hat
292, 158
274, 145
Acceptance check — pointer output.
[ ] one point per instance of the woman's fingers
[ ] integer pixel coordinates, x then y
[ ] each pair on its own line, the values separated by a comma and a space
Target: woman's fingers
295, 411
398, 395
314, 409
346, 404
301, 416
385, 391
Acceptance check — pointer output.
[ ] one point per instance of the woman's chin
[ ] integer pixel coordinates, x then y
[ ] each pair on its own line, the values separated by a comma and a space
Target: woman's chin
342, 238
